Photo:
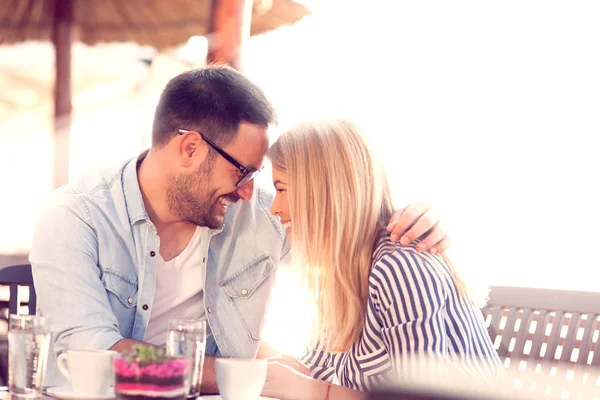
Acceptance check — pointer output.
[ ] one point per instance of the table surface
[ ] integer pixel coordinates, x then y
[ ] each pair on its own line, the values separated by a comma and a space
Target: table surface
4, 395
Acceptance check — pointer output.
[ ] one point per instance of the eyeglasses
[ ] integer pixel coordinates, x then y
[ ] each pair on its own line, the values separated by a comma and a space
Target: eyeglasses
247, 174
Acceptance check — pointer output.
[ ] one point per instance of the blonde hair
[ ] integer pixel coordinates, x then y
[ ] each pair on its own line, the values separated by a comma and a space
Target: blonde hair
339, 203
337, 198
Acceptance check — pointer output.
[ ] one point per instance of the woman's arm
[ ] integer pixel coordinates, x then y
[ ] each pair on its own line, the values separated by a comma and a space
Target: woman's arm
287, 384
319, 362
427, 326
337, 392
410, 296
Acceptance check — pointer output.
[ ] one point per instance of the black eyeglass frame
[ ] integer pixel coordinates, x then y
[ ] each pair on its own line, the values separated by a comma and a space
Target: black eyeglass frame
247, 173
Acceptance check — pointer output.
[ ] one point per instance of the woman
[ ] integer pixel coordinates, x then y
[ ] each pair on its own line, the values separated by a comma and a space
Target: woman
377, 304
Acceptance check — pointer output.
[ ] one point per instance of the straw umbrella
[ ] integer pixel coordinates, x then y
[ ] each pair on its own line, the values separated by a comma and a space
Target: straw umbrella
157, 23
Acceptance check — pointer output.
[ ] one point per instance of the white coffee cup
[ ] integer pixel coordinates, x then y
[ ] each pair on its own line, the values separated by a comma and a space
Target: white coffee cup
240, 379
89, 371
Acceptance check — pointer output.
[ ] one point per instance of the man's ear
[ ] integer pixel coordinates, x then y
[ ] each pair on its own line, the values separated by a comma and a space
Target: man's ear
192, 150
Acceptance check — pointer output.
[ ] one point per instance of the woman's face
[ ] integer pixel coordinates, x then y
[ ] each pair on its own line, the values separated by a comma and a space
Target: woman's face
281, 206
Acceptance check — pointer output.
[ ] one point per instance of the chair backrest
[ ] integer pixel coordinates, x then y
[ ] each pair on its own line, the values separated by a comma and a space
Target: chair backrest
15, 276
553, 332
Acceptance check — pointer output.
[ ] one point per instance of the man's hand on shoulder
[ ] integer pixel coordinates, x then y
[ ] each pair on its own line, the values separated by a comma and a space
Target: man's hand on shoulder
419, 220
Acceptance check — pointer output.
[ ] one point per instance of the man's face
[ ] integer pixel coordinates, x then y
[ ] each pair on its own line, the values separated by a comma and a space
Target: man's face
203, 195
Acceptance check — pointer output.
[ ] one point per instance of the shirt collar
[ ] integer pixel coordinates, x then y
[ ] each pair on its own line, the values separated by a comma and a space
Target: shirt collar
133, 194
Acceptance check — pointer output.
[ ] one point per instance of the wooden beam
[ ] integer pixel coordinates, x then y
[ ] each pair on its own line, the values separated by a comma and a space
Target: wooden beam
229, 29
62, 37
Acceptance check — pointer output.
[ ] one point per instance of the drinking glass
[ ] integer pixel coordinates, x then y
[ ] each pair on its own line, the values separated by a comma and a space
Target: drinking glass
28, 346
187, 337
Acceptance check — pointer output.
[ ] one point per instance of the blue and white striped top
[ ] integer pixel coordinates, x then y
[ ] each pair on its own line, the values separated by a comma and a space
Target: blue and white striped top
413, 308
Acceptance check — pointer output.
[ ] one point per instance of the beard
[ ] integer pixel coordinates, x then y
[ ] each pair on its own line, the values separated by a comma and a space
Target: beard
192, 198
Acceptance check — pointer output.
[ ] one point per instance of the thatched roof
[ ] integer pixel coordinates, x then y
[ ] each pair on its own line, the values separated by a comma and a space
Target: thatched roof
158, 23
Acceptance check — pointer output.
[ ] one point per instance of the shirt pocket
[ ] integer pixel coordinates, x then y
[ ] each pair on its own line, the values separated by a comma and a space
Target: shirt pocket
374, 363
122, 296
249, 290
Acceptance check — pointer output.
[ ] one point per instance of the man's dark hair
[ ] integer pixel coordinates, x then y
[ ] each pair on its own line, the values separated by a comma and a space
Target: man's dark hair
213, 101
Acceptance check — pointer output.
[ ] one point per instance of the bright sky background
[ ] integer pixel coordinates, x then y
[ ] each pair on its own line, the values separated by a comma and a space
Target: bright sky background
489, 110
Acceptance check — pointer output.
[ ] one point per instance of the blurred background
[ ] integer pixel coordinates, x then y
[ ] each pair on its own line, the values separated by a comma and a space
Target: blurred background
488, 110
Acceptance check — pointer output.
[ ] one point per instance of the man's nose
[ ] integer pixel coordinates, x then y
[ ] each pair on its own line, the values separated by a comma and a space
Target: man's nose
245, 191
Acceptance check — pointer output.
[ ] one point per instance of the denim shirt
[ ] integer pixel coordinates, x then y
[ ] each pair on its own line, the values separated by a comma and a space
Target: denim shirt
94, 266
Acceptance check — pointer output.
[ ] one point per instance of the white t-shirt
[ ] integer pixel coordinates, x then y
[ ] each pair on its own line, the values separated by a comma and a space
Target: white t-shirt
179, 290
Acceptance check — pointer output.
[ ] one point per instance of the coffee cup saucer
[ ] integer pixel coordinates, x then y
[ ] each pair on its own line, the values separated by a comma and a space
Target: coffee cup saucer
67, 393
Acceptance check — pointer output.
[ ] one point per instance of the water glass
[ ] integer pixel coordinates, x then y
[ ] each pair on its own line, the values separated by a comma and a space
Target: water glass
28, 346
187, 337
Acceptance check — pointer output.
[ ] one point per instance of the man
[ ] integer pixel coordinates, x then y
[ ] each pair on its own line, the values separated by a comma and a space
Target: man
121, 252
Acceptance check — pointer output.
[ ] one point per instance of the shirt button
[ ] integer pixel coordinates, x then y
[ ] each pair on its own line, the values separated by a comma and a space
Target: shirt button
130, 300
204, 259
145, 307
208, 310
244, 292
152, 253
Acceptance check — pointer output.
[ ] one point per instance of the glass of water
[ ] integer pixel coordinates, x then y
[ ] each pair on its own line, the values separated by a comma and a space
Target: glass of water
187, 337
28, 346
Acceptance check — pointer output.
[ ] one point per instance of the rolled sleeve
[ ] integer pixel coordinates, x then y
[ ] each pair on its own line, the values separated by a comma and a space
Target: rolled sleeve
67, 277
320, 363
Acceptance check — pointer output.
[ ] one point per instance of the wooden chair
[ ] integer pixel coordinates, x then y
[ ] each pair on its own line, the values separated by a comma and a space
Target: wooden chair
554, 333
15, 276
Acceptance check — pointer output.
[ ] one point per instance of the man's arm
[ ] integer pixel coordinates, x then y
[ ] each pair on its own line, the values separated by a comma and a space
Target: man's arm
209, 377
64, 259
125, 345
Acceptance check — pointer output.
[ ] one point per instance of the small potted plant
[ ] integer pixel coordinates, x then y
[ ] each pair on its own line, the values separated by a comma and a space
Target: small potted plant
147, 373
